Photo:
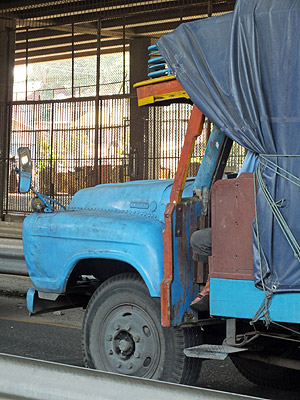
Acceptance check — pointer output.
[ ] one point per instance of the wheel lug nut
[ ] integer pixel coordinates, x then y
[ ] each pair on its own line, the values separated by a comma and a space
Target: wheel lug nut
111, 352
137, 354
128, 327
136, 338
109, 338
118, 365
129, 366
117, 327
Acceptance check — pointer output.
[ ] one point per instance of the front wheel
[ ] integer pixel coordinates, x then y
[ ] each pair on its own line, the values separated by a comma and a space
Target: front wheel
123, 334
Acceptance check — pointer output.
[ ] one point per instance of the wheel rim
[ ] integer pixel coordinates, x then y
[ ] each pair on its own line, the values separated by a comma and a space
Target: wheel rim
129, 341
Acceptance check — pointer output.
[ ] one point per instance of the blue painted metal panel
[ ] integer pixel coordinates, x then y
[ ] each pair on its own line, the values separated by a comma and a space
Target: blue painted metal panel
114, 221
208, 165
24, 182
137, 197
184, 290
30, 299
241, 299
55, 243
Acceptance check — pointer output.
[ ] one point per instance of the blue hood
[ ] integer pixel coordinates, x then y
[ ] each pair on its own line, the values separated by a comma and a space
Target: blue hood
138, 197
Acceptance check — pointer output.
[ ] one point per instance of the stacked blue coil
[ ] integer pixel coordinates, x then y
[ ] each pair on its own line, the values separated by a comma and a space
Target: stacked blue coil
157, 65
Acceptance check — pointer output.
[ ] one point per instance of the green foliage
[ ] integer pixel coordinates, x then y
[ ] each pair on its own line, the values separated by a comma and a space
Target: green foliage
48, 157
123, 146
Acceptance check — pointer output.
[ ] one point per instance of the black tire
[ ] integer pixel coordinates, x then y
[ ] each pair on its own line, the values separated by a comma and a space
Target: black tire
122, 333
267, 375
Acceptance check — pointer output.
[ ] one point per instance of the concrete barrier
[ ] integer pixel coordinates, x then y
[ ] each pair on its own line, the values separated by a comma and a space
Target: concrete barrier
24, 378
12, 259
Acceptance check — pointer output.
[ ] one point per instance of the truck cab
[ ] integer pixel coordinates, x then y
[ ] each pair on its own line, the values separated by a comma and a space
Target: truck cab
123, 252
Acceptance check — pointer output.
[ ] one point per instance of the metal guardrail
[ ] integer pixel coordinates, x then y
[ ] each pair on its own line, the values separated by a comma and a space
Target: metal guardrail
11, 230
12, 259
24, 378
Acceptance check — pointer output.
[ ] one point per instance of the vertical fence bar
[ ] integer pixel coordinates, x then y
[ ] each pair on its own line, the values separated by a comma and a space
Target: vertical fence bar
51, 184
124, 58
97, 169
73, 61
154, 143
8, 111
209, 8
8, 169
7, 34
26, 61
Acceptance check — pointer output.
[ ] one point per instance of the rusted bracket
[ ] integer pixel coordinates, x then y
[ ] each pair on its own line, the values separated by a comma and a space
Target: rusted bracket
178, 220
194, 130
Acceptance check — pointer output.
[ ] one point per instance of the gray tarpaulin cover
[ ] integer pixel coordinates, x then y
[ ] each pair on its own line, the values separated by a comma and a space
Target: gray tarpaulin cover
242, 70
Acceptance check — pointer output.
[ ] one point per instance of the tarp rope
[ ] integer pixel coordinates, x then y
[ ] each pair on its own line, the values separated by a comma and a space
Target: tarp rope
264, 161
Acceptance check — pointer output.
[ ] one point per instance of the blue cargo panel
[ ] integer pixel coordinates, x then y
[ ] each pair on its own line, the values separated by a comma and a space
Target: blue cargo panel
241, 299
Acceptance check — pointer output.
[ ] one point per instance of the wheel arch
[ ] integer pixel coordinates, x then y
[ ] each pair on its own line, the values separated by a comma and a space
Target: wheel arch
79, 238
107, 266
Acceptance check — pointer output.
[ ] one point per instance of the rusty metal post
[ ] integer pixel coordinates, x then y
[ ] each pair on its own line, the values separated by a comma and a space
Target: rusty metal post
138, 115
209, 8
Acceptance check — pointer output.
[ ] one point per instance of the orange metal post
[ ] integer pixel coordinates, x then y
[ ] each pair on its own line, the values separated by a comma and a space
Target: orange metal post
155, 91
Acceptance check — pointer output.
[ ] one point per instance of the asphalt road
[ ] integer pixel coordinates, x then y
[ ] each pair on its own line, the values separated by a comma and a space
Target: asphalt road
57, 337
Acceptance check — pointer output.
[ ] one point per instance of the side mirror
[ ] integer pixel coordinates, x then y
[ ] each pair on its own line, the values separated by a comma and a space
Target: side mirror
24, 169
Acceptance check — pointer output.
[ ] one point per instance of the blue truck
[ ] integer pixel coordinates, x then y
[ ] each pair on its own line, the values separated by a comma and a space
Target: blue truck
122, 251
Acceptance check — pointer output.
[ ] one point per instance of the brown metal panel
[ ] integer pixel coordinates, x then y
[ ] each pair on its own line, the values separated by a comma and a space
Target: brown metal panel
232, 215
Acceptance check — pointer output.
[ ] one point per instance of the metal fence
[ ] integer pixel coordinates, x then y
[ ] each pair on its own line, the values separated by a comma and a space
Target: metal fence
80, 143
73, 95
167, 127
74, 144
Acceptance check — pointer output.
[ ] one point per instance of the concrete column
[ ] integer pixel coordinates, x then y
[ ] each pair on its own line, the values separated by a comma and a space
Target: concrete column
138, 115
7, 52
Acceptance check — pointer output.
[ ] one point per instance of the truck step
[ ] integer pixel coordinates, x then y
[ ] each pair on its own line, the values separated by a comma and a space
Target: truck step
212, 351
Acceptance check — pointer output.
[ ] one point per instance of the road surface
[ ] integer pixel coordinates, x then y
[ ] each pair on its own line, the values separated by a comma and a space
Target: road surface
57, 337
